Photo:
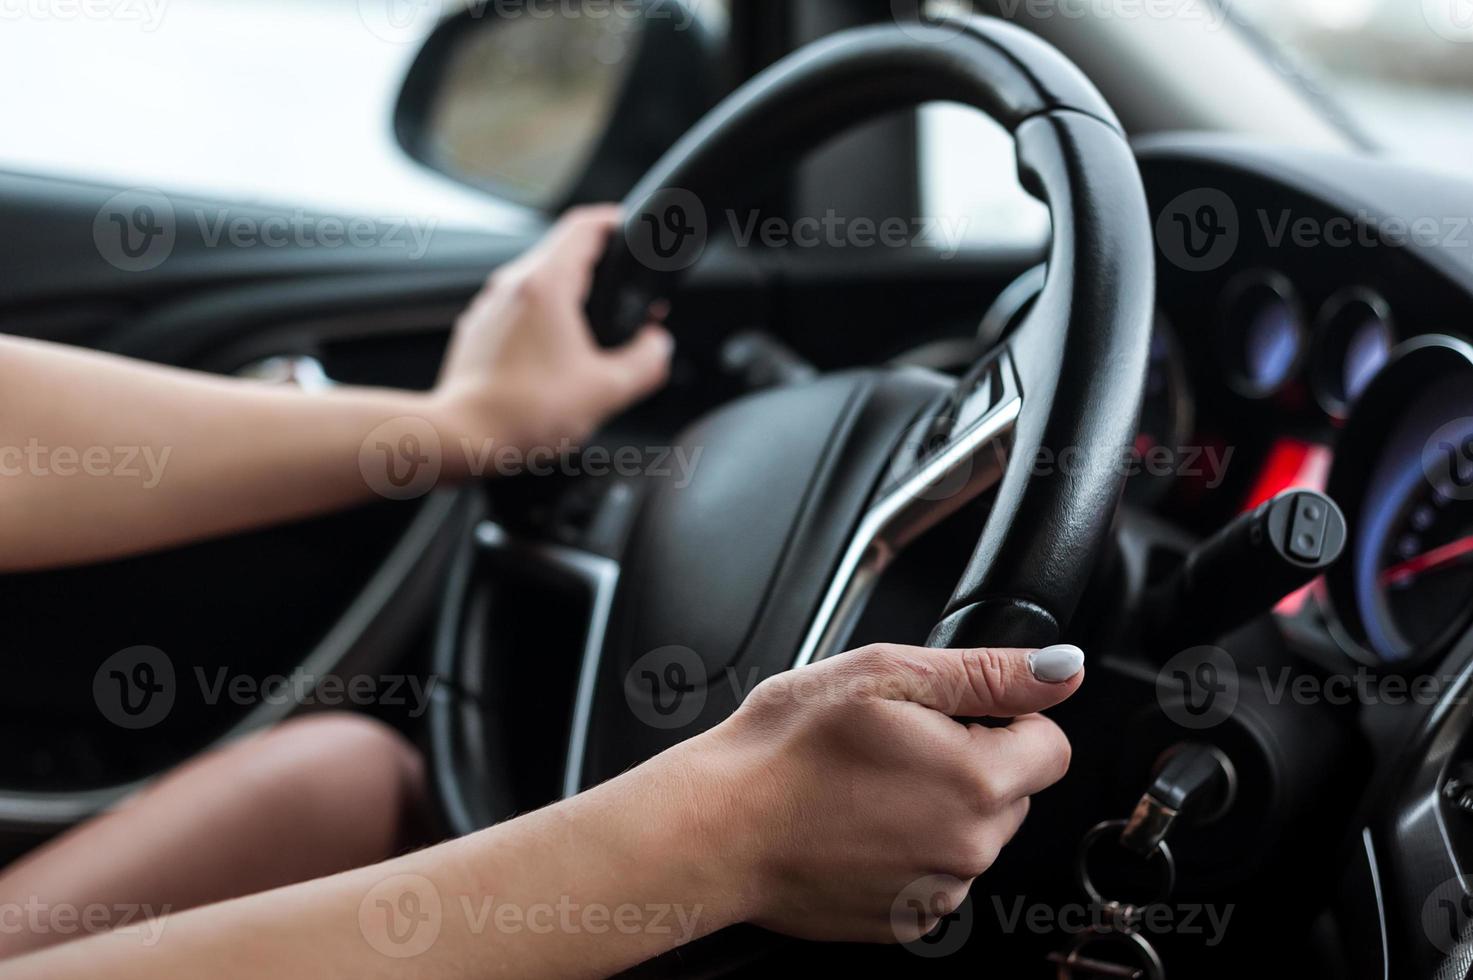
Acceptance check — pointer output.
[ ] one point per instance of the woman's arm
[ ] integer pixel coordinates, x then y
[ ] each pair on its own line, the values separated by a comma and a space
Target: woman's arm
842, 802
102, 457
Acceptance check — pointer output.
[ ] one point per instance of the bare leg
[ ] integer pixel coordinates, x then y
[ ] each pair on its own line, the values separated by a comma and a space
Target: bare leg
310, 798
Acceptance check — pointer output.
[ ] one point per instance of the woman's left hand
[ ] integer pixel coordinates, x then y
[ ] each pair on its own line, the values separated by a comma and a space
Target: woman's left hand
524, 369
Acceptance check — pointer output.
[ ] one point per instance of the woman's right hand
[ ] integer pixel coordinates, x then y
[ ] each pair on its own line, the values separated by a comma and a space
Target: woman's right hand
841, 802
847, 793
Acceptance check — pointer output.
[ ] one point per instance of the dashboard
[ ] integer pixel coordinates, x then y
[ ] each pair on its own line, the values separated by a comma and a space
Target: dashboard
1318, 349
1323, 343
1281, 374
1283, 358
1314, 329
1325, 338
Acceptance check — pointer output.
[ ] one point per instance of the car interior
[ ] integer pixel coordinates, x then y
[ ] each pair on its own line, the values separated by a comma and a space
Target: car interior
911, 444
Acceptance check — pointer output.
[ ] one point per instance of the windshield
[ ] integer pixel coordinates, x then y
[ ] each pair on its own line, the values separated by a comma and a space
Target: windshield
1400, 70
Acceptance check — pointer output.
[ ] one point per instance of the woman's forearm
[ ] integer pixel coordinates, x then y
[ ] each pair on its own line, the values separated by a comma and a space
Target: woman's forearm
102, 457
589, 887
842, 802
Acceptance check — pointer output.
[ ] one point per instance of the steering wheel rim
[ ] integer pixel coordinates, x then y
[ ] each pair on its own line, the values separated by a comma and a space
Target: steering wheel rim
1075, 369
1072, 155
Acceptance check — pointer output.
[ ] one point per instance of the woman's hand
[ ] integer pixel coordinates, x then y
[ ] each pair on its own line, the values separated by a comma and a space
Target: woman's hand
524, 369
835, 798
203, 456
850, 798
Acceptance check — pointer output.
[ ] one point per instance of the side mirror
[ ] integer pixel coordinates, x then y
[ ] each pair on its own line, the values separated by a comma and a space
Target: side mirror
550, 104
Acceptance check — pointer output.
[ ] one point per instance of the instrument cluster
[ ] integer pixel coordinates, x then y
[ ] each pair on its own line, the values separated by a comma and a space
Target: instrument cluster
1268, 336
1339, 395
1404, 591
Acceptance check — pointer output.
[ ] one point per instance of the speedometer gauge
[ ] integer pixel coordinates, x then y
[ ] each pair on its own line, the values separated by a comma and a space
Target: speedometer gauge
1414, 570
1405, 477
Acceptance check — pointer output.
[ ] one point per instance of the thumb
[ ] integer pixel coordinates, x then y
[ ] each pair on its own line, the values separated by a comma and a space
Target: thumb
642, 366
988, 683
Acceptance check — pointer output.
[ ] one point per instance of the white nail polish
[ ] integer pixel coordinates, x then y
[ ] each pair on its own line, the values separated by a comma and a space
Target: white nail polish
1056, 664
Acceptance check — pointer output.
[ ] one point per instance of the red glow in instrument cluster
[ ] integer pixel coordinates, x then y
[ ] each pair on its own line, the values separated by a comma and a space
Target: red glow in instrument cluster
1292, 465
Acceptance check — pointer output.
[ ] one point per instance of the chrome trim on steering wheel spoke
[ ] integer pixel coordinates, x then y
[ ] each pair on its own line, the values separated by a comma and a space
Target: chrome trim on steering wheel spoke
600, 575
975, 459
941, 484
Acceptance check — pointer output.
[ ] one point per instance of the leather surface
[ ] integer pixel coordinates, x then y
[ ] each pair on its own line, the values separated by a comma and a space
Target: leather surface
1082, 355
732, 569
710, 568
817, 93
702, 556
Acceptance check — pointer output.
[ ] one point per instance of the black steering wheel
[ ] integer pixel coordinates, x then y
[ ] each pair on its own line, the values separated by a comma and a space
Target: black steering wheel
805, 493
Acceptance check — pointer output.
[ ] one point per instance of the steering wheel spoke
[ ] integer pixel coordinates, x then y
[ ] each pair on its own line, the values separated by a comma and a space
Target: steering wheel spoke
806, 492
945, 463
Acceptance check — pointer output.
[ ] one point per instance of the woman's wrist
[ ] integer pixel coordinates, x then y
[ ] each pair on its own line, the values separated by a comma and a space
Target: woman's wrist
715, 814
686, 819
474, 432
667, 839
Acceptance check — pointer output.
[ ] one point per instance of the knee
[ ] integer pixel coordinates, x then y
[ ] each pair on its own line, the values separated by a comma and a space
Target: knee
353, 739
346, 772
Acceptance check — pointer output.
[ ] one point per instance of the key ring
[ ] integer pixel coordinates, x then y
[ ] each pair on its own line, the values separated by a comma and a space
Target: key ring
1161, 855
1078, 959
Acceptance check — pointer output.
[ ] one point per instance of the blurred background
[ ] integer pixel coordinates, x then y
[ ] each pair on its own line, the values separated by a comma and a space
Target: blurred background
291, 101
1388, 64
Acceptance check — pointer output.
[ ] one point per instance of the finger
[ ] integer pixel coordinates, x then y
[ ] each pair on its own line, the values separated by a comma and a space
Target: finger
1012, 821
642, 366
578, 241
567, 253
983, 683
581, 222
1006, 825
1021, 760
990, 836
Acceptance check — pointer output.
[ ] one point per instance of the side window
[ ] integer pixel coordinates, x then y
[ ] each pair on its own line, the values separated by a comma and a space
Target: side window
281, 104
292, 104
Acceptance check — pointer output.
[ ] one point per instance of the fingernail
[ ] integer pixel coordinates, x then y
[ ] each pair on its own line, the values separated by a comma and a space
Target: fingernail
1057, 664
